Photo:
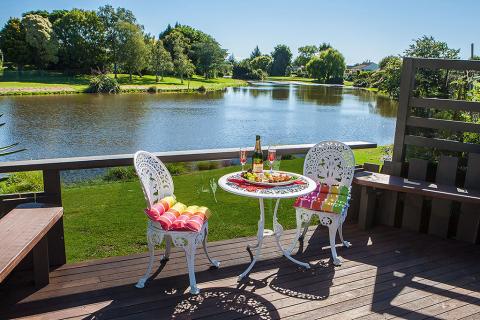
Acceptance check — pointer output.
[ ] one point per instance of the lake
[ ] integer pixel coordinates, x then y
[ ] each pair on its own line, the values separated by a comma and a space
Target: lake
86, 124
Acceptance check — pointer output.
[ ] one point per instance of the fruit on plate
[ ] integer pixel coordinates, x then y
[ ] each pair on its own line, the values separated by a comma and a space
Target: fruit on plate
267, 177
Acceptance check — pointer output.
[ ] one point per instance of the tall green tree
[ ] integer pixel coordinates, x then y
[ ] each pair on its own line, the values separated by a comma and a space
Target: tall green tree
210, 58
383, 63
282, 58
305, 53
183, 66
432, 83
160, 60
111, 19
390, 76
132, 51
39, 35
328, 66
263, 63
255, 53
324, 46
14, 45
428, 47
82, 42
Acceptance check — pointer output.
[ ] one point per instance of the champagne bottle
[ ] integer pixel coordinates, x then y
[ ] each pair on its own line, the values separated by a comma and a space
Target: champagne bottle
257, 157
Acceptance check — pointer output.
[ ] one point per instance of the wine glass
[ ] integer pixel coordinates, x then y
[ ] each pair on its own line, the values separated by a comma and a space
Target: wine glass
272, 155
243, 157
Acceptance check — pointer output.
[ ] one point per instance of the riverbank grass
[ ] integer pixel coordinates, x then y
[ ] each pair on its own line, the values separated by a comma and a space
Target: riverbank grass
52, 83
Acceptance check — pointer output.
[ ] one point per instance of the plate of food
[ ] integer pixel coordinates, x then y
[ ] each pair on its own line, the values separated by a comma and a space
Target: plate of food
267, 178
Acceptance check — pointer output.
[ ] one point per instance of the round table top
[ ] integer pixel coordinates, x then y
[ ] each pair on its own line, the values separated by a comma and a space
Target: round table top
279, 192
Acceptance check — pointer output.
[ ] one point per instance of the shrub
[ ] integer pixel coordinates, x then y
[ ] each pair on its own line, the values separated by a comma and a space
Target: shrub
244, 70
202, 89
18, 182
207, 165
103, 84
362, 79
176, 168
288, 157
152, 89
120, 174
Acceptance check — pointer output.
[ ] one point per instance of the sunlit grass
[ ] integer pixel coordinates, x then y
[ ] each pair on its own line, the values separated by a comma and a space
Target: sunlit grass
107, 219
51, 82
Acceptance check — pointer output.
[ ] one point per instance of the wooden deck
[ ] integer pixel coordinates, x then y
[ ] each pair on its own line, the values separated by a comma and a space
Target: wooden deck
388, 273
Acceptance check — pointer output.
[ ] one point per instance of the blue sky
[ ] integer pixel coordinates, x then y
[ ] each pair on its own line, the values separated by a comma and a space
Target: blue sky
359, 29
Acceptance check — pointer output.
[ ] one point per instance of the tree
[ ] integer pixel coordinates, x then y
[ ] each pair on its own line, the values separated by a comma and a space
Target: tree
39, 35
390, 76
244, 70
255, 53
328, 66
432, 83
324, 46
428, 47
263, 63
305, 53
282, 58
13, 43
160, 60
383, 63
183, 65
210, 58
82, 42
111, 19
132, 51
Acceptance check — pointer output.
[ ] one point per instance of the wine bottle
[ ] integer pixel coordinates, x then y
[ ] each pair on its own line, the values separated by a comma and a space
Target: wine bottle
257, 157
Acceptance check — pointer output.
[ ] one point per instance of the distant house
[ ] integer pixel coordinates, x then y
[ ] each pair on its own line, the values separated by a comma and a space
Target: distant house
364, 66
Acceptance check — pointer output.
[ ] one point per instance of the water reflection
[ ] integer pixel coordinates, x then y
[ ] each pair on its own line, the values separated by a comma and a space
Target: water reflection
320, 95
80, 125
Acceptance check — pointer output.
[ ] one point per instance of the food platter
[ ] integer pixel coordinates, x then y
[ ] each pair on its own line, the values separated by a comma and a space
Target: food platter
280, 175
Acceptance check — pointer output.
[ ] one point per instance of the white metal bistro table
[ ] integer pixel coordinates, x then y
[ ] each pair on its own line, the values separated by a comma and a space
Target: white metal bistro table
278, 192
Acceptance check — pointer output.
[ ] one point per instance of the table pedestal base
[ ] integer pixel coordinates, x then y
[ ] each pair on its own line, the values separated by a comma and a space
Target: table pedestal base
278, 232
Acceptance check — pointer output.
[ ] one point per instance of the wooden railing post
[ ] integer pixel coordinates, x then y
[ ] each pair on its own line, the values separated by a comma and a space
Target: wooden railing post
407, 83
56, 241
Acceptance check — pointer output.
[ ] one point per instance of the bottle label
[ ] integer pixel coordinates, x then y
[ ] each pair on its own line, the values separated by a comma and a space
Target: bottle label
257, 167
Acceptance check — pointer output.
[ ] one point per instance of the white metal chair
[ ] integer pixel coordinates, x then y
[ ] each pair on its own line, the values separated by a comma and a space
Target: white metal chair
157, 183
332, 163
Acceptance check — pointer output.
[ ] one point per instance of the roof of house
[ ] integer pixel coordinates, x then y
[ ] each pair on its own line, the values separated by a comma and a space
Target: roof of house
362, 66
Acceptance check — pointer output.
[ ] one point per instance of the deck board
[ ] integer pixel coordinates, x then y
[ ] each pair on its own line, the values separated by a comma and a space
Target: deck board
387, 273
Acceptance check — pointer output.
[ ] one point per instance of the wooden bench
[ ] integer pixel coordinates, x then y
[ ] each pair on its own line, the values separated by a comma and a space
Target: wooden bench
23, 231
382, 190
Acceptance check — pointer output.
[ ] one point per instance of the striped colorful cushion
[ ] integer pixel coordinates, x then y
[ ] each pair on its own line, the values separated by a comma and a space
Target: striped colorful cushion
196, 221
335, 189
325, 198
159, 208
179, 223
166, 220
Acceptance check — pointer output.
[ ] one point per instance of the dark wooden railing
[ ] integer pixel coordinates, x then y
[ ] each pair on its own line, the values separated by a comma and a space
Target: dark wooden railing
52, 191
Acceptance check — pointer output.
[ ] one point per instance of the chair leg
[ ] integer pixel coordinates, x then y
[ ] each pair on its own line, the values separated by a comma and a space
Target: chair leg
346, 244
190, 255
300, 234
168, 246
151, 250
215, 263
332, 231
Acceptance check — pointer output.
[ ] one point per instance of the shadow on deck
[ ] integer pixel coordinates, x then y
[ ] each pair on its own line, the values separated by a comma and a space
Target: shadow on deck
387, 273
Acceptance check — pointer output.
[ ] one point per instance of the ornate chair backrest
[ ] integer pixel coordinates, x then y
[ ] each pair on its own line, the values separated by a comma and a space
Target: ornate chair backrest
154, 177
330, 162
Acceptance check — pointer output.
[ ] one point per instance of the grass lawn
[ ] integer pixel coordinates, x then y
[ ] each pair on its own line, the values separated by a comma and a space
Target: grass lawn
299, 79
49, 82
106, 219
